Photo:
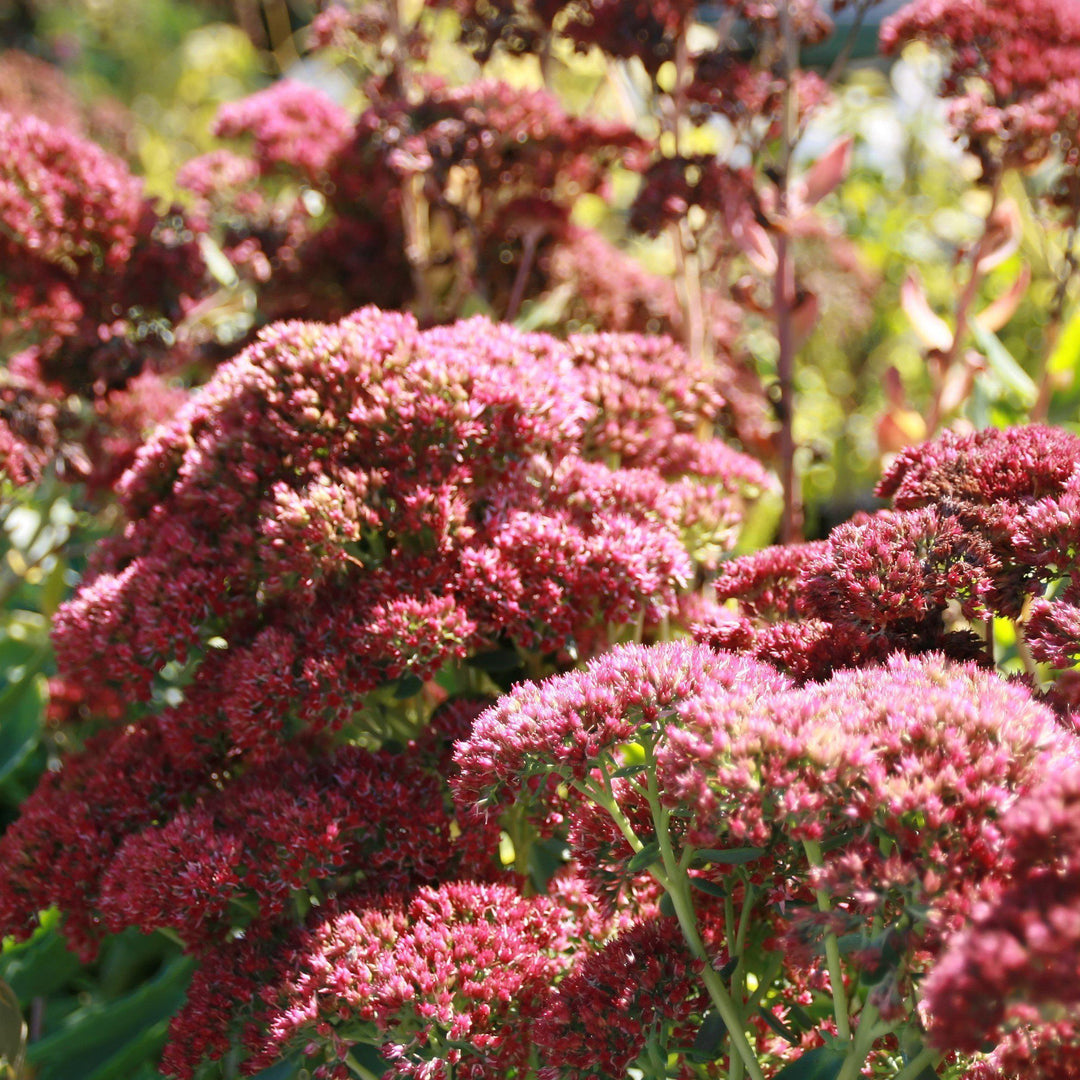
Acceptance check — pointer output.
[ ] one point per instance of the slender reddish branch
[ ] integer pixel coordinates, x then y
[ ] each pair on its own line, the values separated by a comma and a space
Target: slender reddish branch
784, 299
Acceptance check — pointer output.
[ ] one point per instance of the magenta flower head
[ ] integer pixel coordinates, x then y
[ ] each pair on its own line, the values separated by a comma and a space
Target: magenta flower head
446, 984
982, 524
291, 125
572, 724
989, 466
900, 773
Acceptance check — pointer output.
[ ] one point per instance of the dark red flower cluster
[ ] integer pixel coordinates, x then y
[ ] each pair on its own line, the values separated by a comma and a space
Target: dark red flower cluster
206, 848
344, 510
641, 985
344, 505
621, 29
1011, 73
70, 828
94, 281
624, 29
78, 235
982, 524
243, 852
494, 169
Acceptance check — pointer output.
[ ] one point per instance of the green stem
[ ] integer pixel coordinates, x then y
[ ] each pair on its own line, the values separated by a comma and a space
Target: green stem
656, 1062
729, 922
753, 999
608, 803
866, 1035
832, 948
519, 832
678, 888
736, 1067
738, 946
744, 918
925, 1057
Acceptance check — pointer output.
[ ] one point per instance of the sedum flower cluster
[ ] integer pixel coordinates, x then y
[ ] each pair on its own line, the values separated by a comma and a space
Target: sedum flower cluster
417, 694
775, 822
343, 513
1010, 78
982, 527
94, 281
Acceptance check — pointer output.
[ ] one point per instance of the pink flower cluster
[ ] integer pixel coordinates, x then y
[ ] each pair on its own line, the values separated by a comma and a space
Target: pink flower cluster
982, 524
1013, 974
446, 984
290, 124
905, 775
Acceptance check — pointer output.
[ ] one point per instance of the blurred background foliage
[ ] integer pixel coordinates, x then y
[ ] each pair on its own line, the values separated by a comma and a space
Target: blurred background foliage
153, 73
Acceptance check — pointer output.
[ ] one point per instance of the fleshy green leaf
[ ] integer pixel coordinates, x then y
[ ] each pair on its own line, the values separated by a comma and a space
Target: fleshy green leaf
709, 1039
781, 1029
730, 856
710, 888
22, 707
1004, 366
645, 857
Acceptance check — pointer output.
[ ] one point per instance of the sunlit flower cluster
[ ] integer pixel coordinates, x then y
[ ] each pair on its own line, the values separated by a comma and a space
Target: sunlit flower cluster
1011, 73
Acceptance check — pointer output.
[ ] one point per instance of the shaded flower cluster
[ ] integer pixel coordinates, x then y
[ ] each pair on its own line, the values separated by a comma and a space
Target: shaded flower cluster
70, 828
78, 235
203, 849
32, 86
280, 827
601, 1017
624, 29
493, 172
